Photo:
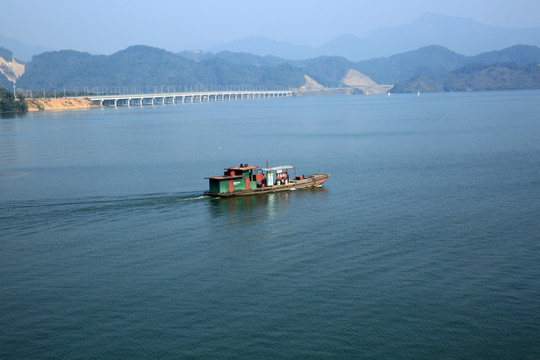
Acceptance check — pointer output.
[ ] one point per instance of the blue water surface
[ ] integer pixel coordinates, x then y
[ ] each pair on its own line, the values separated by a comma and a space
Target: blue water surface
423, 244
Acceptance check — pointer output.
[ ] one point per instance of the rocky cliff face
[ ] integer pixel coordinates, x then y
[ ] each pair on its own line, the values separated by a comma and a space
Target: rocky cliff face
12, 70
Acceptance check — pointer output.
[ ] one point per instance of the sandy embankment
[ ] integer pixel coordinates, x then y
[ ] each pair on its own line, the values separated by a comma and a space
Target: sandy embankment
363, 82
60, 104
353, 83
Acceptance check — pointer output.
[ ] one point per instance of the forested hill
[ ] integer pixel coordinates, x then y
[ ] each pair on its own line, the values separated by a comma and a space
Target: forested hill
431, 68
514, 68
477, 77
148, 66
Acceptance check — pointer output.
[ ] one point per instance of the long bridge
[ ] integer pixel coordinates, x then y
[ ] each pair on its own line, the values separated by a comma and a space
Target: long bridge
184, 97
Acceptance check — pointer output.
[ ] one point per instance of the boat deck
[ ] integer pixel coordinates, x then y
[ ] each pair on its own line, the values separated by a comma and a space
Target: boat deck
307, 182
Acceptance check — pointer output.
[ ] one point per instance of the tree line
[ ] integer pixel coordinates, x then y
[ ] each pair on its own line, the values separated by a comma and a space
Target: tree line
9, 103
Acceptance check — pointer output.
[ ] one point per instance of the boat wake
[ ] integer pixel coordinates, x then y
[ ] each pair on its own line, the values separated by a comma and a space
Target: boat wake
101, 203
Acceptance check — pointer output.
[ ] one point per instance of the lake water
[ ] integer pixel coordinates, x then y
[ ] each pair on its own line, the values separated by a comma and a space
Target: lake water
423, 244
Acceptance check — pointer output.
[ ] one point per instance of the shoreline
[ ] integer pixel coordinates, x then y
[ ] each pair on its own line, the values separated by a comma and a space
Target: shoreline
81, 104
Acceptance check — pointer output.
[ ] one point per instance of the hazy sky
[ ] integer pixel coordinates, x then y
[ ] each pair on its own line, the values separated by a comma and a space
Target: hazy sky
103, 27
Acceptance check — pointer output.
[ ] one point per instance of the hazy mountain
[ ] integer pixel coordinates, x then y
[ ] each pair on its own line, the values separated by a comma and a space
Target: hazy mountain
464, 36
235, 58
21, 50
522, 54
430, 61
260, 45
435, 61
195, 55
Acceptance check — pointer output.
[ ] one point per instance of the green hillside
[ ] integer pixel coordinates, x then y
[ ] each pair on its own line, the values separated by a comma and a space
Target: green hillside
140, 66
429, 61
510, 76
521, 54
477, 77
431, 68
134, 66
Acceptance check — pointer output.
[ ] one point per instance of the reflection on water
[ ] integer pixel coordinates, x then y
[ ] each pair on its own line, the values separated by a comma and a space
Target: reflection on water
260, 207
244, 223
8, 115
241, 208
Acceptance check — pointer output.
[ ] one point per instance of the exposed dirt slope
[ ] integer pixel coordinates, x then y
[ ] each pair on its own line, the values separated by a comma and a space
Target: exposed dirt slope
363, 82
60, 104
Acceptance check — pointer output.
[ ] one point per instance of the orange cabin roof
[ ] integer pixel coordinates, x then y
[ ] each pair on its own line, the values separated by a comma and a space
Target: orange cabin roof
243, 168
224, 177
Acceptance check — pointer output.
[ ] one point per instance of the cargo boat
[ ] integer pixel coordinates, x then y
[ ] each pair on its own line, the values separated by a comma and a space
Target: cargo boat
251, 180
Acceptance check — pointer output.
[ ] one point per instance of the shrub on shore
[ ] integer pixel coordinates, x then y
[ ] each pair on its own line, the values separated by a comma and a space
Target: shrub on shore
9, 103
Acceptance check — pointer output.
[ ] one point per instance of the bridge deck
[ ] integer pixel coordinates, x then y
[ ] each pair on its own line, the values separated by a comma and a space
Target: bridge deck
181, 97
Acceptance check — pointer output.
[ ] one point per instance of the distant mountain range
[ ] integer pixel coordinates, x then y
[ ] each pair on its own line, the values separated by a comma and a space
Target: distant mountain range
434, 53
430, 68
429, 61
21, 51
464, 36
